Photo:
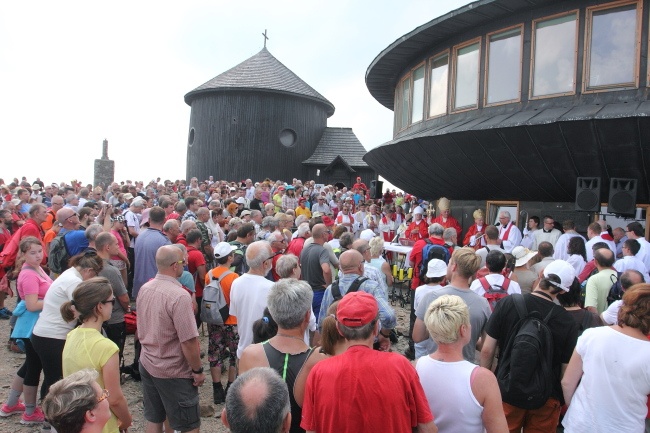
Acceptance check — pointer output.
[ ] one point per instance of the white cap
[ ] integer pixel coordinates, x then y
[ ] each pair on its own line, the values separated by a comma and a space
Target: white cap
223, 249
436, 268
418, 210
367, 234
240, 200
563, 270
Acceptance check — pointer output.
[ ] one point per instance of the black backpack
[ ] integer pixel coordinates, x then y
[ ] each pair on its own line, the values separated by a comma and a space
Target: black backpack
525, 372
432, 251
616, 291
336, 292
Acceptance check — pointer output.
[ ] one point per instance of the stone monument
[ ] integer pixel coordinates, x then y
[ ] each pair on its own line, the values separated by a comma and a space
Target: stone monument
104, 168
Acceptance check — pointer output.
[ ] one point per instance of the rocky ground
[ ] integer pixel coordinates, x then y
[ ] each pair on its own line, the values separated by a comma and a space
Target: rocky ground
10, 362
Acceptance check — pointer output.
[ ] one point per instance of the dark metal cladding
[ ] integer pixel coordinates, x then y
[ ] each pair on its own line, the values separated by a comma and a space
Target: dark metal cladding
529, 150
239, 118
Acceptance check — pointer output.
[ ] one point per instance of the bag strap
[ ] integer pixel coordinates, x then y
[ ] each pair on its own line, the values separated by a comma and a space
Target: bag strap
520, 305
356, 284
484, 283
506, 283
336, 292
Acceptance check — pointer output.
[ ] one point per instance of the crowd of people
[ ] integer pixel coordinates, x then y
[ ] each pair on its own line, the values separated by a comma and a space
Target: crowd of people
308, 323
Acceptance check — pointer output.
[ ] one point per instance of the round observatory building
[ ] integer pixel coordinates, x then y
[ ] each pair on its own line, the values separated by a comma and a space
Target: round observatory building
511, 100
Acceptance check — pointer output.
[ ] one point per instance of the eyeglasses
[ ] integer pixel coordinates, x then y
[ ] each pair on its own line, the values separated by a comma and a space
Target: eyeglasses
104, 396
110, 301
272, 256
72, 216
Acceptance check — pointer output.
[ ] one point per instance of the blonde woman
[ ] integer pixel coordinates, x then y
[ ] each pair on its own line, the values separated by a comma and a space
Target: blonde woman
86, 347
463, 396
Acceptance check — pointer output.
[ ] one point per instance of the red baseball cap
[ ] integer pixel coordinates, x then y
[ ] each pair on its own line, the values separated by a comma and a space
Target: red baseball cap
357, 309
328, 221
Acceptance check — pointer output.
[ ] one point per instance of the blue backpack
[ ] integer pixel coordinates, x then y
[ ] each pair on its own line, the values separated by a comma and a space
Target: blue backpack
433, 251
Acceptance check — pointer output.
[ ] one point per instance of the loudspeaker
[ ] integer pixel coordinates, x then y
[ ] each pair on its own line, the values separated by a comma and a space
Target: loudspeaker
622, 196
376, 187
588, 194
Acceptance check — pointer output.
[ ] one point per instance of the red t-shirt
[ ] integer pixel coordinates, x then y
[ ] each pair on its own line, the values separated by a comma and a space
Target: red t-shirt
364, 390
416, 258
194, 260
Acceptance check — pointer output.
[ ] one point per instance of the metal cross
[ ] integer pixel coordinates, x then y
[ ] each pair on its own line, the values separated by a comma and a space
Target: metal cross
266, 38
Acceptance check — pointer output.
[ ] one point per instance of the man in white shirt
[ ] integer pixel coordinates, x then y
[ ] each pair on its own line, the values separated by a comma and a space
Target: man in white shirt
548, 233
562, 243
493, 243
636, 231
495, 263
529, 232
593, 233
249, 292
630, 261
508, 232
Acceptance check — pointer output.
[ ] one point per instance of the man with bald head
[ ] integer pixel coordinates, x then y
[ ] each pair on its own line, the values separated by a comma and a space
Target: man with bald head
71, 230
258, 401
170, 361
315, 263
363, 246
598, 285
352, 266
248, 293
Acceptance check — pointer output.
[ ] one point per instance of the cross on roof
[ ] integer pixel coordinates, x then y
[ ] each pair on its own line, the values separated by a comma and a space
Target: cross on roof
266, 38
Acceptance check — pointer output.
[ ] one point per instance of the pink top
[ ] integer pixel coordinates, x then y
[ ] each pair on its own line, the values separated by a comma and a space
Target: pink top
165, 320
120, 242
31, 282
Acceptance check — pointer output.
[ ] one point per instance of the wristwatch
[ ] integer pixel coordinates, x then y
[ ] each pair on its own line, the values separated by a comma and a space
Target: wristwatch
199, 371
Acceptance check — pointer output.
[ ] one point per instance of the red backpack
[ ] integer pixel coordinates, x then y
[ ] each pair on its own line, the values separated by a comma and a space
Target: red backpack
495, 293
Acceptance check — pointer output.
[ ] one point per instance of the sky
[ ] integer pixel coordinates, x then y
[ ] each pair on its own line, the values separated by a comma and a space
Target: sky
74, 73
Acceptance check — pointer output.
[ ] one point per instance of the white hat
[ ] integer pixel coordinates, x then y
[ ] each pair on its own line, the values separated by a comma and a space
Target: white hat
223, 249
138, 202
246, 212
418, 210
367, 234
563, 270
240, 200
523, 255
436, 268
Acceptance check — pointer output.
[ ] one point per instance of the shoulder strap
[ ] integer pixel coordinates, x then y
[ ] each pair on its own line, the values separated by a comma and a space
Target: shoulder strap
487, 249
356, 284
428, 241
506, 283
520, 305
484, 283
336, 292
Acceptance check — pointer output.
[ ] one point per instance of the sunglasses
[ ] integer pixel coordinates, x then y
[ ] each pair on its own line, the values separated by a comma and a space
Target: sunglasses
104, 396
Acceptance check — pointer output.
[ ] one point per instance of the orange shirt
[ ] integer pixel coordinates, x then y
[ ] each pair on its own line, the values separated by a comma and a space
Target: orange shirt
226, 284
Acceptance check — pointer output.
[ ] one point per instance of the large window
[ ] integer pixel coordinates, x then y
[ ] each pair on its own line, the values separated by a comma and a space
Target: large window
466, 75
554, 55
438, 85
503, 67
406, 92
417, 111
612, 44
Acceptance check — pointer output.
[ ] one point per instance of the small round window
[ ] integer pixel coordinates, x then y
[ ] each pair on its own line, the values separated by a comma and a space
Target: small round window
190, 139
288, 137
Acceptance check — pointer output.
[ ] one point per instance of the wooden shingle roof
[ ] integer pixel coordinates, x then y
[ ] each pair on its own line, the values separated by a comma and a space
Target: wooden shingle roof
338, 142
262, 72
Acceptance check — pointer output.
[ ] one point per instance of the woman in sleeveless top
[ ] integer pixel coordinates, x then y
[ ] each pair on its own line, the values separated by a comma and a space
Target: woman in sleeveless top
289, 302
464, 397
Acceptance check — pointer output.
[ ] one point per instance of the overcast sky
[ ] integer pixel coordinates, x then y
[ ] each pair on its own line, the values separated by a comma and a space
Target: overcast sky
75, 72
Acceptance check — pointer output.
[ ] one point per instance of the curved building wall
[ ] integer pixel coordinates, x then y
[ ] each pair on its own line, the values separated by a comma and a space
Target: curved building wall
238, 134
518, 107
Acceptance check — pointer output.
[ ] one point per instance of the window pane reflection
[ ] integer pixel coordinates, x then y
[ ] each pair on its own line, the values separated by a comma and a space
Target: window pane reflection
467, 76
554, 53
418, 95
438, 95
504, 66
406, 92
613, 46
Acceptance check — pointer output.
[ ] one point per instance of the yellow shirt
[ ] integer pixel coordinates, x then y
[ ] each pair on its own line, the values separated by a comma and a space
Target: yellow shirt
301, 211
87, 348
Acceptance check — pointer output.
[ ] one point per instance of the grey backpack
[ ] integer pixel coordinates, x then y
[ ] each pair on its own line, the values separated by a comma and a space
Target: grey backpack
214, 309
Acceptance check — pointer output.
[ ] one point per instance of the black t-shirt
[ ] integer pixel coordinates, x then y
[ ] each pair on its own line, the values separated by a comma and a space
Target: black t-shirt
256, 204
562, 326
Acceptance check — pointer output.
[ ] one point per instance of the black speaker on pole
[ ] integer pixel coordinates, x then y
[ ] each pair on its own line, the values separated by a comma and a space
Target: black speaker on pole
622, 196
588, 194
376, 188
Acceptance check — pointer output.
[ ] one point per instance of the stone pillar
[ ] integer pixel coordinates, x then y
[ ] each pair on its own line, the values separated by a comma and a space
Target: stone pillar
104, 168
